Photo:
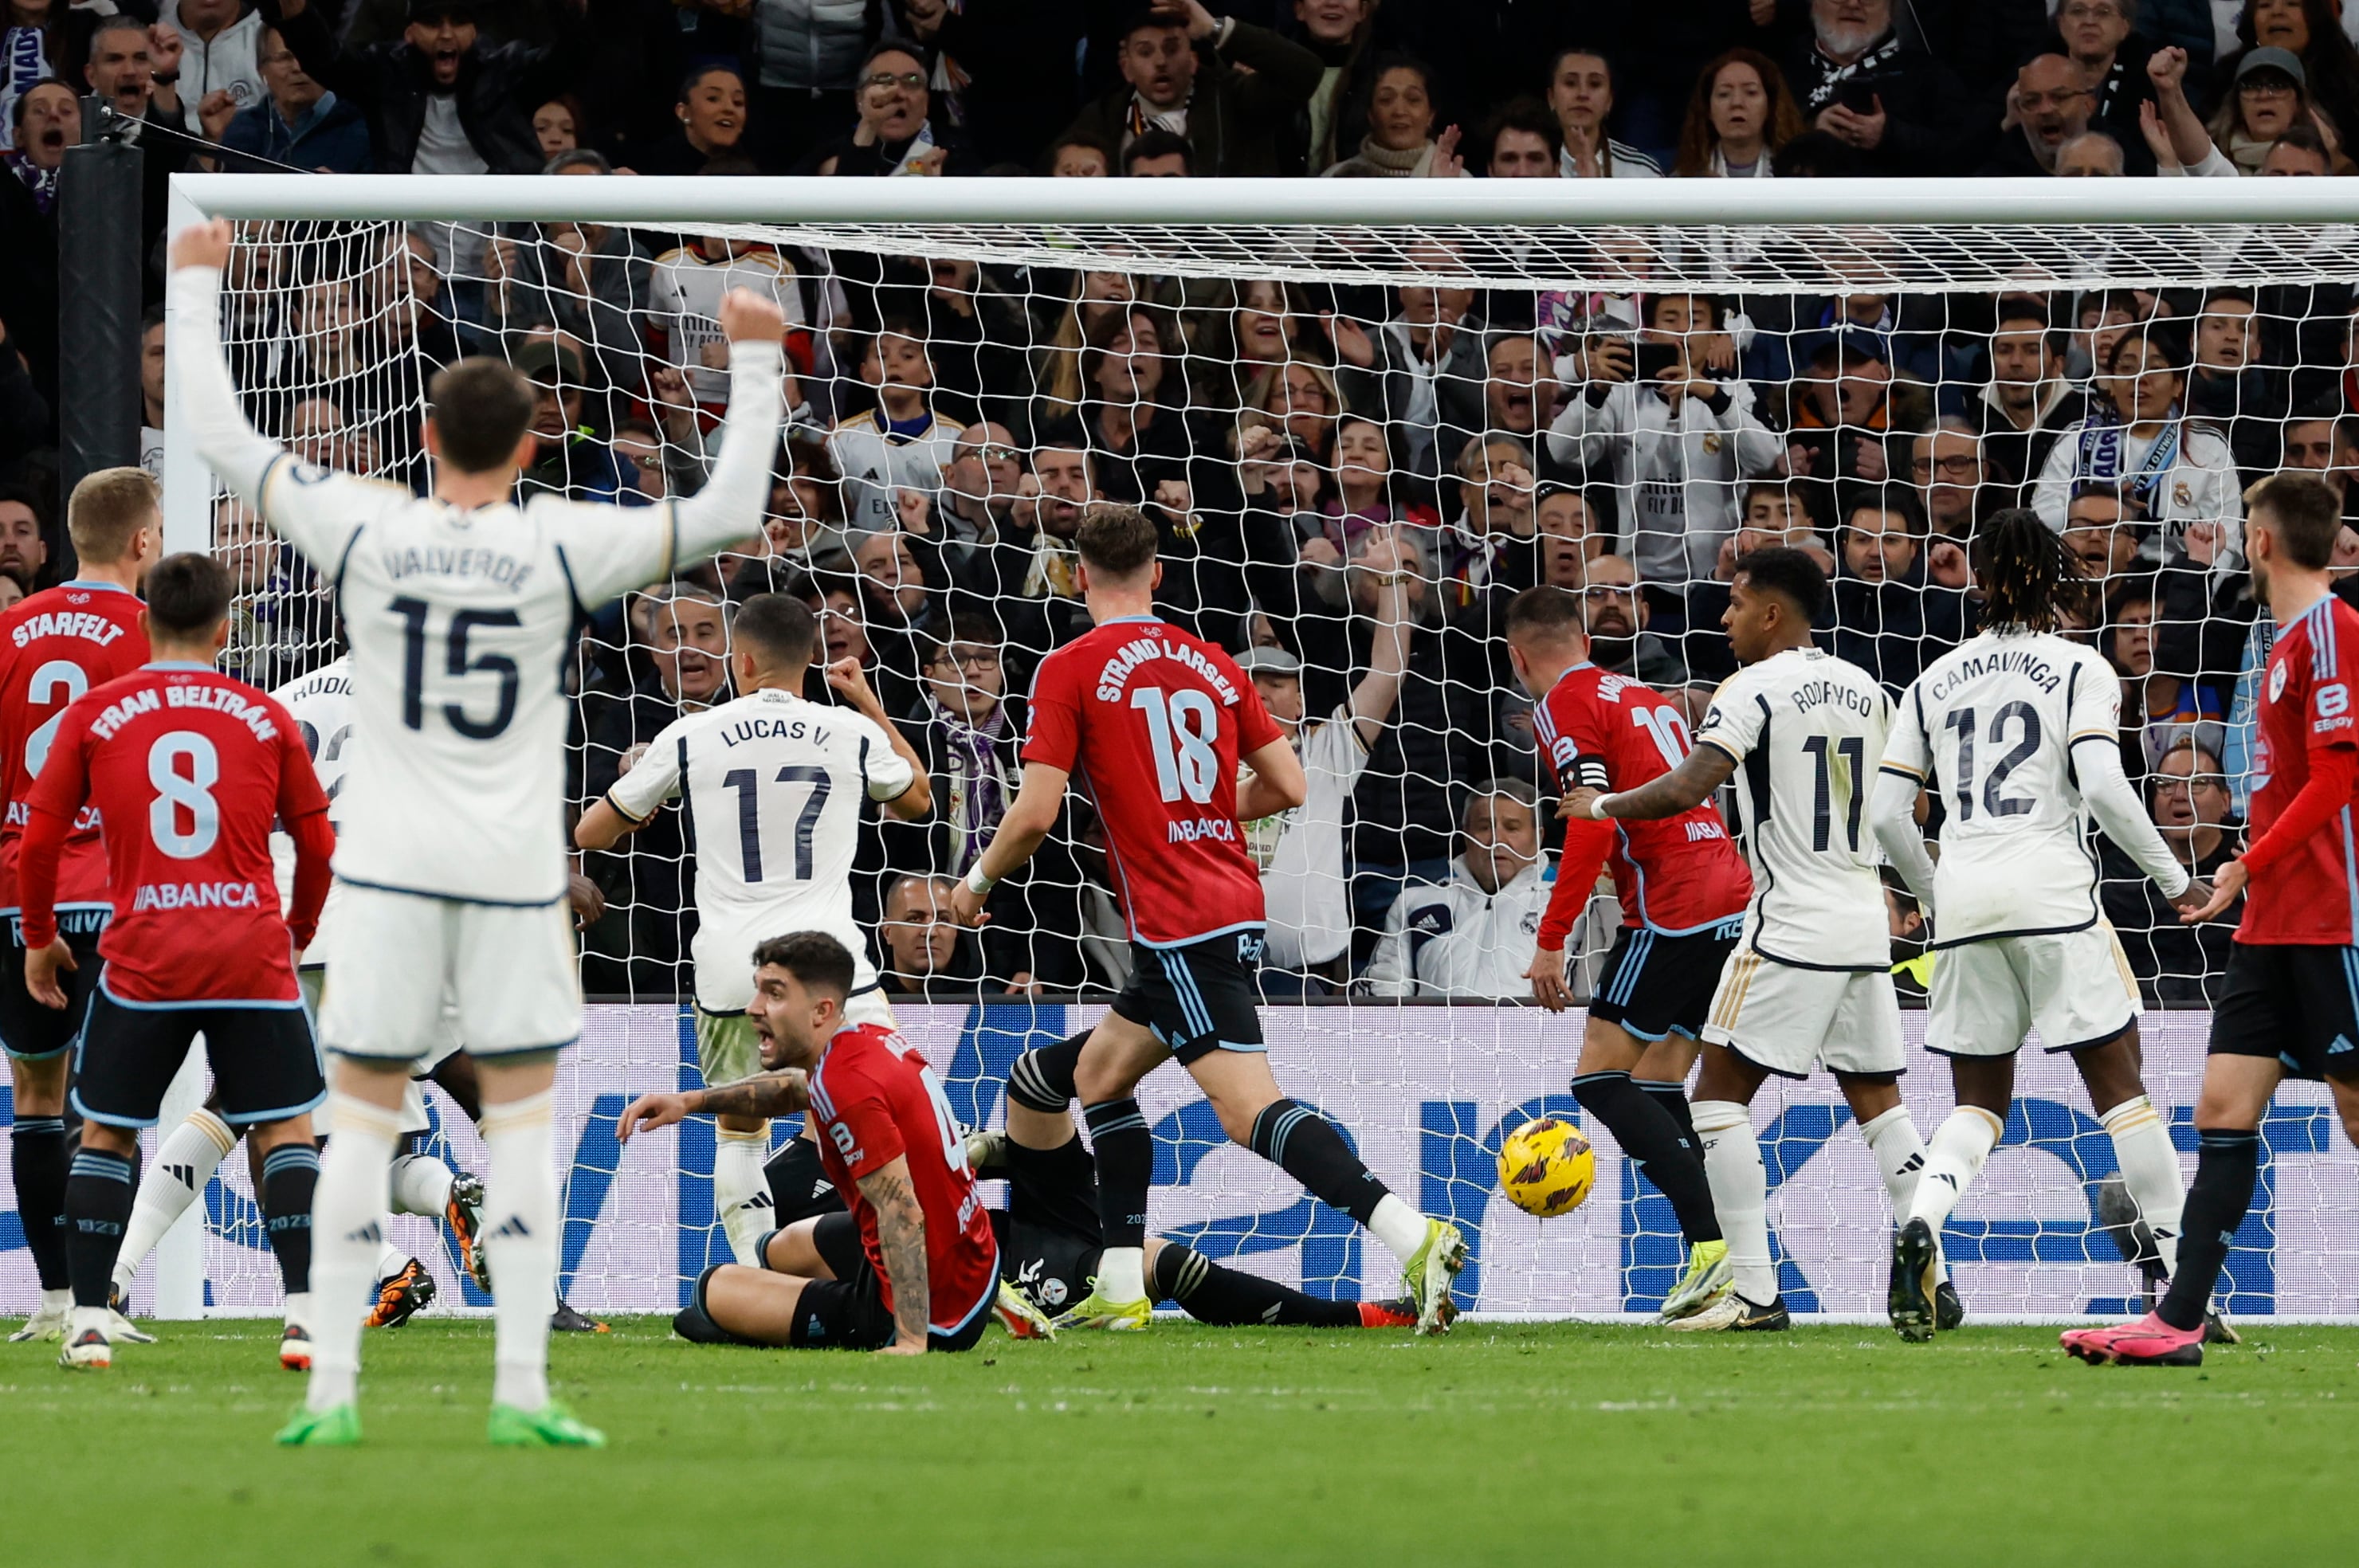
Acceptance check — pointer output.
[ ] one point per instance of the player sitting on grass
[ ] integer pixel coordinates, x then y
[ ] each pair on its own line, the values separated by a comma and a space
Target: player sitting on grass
1810, 984
914, 1264
2291, 1008
191, 768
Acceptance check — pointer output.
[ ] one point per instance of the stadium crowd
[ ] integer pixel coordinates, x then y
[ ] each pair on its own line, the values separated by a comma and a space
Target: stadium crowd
1350, 480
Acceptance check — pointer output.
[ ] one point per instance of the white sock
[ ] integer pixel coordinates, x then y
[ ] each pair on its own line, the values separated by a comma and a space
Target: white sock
299, 1311
57, 1300
2149, 1167
1740, 1194
421, 1184
737, 1181
1398, 1226
1900, 1157
1122, 1274
390, 1260
1952, 1160
183, 1164
346, 1232
520, 1245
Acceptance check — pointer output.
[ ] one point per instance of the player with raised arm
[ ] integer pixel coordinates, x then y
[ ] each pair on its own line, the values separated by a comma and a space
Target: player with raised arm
1153, 721
459, 606
1683, 890
1810, 984
2017, 733
2290, 1008
772, 787
54, 646
912, 1265
188, 769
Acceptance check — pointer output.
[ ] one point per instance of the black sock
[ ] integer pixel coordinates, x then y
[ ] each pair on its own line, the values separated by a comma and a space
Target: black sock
1673, 1099
1056, 1187
1227, 1298
1650, 1136
1298, 1140
1043, 1080
2227, 1164
799, 1184
98, 1204
1125, 1155
289, 1172
36, 1160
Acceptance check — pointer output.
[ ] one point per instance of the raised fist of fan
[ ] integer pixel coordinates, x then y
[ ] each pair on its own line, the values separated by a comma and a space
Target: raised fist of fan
201, 245
750, 317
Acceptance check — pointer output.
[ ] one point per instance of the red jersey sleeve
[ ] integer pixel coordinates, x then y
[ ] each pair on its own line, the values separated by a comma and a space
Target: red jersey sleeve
1576, 747
1053, 719
2327, 710
300, 793
862, 1127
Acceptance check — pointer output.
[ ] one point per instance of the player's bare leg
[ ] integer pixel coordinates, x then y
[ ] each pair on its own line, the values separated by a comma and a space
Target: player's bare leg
1661, 1143
2236, 1094
1984, 1088
36, 1160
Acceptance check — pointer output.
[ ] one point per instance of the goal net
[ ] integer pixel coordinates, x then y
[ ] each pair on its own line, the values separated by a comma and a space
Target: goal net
1360, 421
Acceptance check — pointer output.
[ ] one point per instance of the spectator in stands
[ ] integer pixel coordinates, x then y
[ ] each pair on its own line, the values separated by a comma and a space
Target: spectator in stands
1948, 469
1522, 140
2313, 32
1299, 400
1422, 371
1517, 397
1305, 880
1896, 108
2050, 104
1486, 545
899, 442
220, 67
2104, 41
2027, 400
47, 119
809, 53
24, 549
2091, 154
1676, 440
2231, 386
297, 121
1401, 139
122, 70
557, 125
1227, 86
1844, 409
896, 608
1741, 114
926, 956
2268, 96
441, 100
1078, 158
1617, 617
2177, 469
980, 491
2102, 529
1889, 620
712, 122
1157, 154
1364, 493
1331, 120
1568, 533
896, 133
2191, 805
571, 461
1581, 92
1459, 939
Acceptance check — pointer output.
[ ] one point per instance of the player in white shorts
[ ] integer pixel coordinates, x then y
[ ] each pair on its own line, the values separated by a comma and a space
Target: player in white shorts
1808, 984
459, 607
2015, 736
773, 787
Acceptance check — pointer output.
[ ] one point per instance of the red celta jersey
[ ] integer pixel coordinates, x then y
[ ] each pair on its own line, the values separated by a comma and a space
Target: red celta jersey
188, 769
1609, 732
2312, 896
1151, 721
873, 1100
54, 646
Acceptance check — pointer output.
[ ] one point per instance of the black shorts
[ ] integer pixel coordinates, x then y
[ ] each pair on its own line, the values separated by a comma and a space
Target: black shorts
2299, 1004
848, 1312
1197, 998
1655, 985
27, 1029
266, 1067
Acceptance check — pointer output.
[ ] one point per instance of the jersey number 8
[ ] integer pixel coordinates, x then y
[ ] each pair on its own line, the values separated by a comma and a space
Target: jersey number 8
177, 791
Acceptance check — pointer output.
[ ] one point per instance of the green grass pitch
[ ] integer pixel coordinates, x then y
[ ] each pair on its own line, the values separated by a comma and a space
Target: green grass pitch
1502, 1443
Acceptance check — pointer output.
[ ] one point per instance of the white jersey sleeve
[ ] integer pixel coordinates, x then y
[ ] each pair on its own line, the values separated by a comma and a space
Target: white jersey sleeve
320, 704
655, 777
888, 773
1808, 733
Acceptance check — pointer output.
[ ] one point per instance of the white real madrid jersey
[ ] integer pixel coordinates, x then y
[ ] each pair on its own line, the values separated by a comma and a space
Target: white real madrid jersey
1990, 727
1807, 732
321, 703
773, 787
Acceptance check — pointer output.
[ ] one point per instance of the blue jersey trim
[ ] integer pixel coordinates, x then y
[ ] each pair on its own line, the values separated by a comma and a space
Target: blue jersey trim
97, 585
990, 1294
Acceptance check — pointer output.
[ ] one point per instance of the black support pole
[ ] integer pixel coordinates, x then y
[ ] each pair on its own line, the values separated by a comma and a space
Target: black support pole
98, 302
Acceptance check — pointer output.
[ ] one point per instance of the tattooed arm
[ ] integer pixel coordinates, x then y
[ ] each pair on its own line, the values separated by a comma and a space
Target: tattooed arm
764, 1094
901, 1235
1688, 786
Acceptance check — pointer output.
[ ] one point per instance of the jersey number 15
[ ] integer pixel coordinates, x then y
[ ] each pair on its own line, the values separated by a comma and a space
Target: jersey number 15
457, 663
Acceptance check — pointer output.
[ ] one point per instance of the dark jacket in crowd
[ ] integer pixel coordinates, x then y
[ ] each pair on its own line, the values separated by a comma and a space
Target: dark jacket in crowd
1893, 629
498, 88
332, 134
1928, 128
2187, 965
1234, 116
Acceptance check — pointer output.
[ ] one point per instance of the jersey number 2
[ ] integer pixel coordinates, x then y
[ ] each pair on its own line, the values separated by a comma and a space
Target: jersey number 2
456, 661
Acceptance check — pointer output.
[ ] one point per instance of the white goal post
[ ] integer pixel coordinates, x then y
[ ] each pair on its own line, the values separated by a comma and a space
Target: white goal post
1589, 251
